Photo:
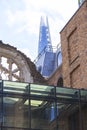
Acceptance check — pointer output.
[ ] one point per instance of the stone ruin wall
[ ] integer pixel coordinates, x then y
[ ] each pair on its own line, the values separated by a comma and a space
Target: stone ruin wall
16, 66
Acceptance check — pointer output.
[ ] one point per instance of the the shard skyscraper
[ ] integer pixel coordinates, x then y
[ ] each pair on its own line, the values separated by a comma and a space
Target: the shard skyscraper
44, 36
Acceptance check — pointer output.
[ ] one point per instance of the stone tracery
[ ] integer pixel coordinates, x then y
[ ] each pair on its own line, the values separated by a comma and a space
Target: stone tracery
16, 66
9, 69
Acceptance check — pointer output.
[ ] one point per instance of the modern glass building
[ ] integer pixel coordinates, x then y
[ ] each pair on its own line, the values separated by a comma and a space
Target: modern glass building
25, 106
47, 51
44, 37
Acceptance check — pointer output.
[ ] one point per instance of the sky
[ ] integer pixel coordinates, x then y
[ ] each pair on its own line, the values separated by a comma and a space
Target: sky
20, 22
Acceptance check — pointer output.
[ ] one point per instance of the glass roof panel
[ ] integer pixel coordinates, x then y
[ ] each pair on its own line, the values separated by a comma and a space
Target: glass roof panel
36, 102
10, 100
66, 93
41, 90
26, 102
15, 87
83, 95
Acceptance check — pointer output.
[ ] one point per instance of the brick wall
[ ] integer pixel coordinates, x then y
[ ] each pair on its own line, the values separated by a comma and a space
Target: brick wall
53, 80
74, 49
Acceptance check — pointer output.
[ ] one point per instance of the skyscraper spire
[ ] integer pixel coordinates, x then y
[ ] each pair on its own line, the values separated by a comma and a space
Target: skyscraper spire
44, 36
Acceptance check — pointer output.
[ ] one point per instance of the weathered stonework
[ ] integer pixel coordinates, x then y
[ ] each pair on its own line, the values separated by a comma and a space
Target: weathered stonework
26, 68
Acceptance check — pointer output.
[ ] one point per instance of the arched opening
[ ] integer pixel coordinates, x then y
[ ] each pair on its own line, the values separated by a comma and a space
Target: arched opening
60, 82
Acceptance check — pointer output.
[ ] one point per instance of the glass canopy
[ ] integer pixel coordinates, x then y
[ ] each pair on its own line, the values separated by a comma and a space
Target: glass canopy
25, 106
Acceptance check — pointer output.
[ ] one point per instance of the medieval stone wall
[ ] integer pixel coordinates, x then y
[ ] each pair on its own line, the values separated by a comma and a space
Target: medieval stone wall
16, 66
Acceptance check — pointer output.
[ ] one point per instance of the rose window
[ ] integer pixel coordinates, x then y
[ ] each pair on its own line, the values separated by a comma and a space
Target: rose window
9, 70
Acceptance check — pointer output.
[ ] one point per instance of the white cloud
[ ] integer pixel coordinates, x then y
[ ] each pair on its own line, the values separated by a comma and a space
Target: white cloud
10, 18
28, 18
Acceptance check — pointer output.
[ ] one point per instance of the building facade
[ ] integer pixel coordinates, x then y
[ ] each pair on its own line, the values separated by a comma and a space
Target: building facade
74, 51
49, 57
60, 103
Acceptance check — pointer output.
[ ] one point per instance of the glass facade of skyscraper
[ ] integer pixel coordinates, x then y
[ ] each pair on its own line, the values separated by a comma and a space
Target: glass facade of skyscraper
25, 106
43, 39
